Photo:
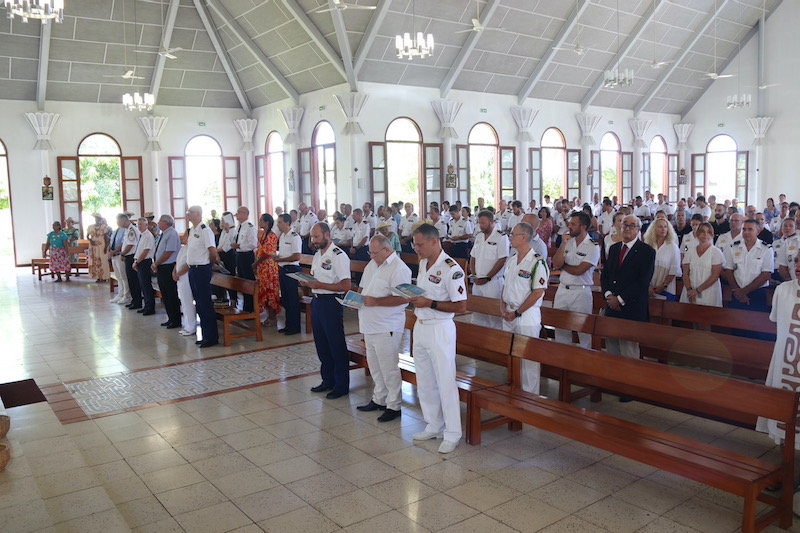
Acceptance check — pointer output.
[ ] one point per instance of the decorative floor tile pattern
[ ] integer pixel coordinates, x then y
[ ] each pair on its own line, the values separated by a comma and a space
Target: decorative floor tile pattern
112, 394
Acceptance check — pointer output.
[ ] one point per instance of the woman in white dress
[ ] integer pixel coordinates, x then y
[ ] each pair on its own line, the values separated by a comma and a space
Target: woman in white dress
662, 238
702, 266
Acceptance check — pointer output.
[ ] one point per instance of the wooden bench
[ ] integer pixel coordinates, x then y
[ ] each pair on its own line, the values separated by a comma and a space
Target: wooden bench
723, 320
232, 316
730, 472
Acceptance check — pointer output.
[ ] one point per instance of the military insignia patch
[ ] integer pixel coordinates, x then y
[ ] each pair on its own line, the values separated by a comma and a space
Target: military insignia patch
458, 275
461, 290
434, 279
524, 274
541, 281
326, 265
337, 251
450, 262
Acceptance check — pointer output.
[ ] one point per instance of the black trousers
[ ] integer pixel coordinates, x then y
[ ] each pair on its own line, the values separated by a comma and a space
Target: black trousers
328, 324
133, 282
290, 299
144, 270
244, 269
200, 282
229, 260
169, 292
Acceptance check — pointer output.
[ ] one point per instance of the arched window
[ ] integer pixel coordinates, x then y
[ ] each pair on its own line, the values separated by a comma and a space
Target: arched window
554, 164
96, 181
403, 162
616, 170
7, 248
270, 186
477, 166
654, 167
323, 147
204, 175
725, 173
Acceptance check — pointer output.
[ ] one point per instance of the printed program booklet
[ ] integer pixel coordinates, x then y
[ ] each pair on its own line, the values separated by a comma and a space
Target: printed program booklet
407, 290
302, 277
352, 299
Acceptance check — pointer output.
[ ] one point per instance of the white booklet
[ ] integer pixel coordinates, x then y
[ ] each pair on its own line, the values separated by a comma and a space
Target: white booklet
302, 277
352, 299
407, 290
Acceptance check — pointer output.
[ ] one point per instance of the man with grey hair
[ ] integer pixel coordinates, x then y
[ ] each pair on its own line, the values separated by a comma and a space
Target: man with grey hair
382, 321
167, 248
142, 261
536, 242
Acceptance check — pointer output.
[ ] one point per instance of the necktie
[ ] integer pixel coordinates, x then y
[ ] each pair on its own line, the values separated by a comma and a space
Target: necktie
237, 232
622, 254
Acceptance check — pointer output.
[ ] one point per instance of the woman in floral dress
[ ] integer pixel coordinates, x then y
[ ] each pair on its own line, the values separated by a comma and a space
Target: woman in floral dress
267, 269
74, 234
57, 243
98, 251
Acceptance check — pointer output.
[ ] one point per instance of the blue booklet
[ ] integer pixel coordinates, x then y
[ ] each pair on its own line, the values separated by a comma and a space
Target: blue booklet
407, 290
352, 299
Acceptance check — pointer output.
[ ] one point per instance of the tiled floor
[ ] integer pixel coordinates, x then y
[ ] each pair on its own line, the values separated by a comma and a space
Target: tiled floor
277, 457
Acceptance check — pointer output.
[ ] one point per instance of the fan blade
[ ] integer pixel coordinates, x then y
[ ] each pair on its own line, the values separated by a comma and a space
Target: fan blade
170, 56
355, 6
465, 31
146, 52
762, 87
172, 50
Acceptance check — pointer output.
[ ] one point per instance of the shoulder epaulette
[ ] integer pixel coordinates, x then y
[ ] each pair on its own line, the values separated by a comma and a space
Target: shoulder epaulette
294, 234
337, 251
450, 262
250, 224
202, 226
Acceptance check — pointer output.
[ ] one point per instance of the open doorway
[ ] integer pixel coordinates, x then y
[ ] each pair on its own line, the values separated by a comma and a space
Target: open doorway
7, 253
100, 179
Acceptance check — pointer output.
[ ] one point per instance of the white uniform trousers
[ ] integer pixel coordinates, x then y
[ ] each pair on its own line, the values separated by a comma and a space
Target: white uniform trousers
624, 348
435, 364
123, 291
189, 318
530, 325
382, 357
492, 289
579, 300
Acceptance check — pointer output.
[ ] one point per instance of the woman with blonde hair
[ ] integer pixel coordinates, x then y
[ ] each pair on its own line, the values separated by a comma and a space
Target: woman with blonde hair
702, 266
662, 238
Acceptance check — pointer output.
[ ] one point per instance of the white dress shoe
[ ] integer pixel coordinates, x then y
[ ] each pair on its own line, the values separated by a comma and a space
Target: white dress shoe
427, 435
114, 300
186, 333
448, 446
124, 302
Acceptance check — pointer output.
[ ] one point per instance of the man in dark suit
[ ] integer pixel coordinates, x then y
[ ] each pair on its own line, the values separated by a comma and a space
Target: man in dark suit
625, 280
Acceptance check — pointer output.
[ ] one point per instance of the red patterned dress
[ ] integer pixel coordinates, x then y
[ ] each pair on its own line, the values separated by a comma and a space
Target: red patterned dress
267, 273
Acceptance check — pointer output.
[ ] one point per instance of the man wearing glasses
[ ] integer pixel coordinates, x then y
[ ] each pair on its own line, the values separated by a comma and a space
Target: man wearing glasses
526, 280
625, 282
382, 321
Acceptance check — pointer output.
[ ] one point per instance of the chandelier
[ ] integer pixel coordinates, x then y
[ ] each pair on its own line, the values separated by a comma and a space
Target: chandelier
137, 102
738, 100
419, 46
43, 10
613, 78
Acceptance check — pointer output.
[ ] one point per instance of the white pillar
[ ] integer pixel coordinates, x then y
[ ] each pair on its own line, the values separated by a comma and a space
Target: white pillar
639, 128
43, 125
447, 111
246, 128
153, 127
292, 116
683, 131
352, 104
523, 117
759, 125
587, 122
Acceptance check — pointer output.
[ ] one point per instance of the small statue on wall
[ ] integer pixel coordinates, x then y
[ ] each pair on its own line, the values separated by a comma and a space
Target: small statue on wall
451, 179
47, 189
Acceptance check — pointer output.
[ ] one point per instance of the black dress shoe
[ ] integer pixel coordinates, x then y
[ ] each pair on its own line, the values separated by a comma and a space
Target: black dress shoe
198, 342
625, 399
206, 344
292, 332
321, 388
148, 312
371, 406
389, 415
173, 326
167, 323
141, 310
335, 394
282, 330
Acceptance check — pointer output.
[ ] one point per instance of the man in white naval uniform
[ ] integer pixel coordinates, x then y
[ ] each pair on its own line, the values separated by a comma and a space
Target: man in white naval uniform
382, 321
407, 227
748, 268
577, 258
438, 222
488, 258
306, 221
726, 240
522, 297
245, 241
435, 338
786, 249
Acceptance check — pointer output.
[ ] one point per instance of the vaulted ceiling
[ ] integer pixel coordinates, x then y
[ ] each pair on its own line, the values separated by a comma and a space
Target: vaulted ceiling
250, 53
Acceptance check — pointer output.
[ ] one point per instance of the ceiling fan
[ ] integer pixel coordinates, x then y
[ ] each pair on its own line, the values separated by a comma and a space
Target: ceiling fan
578, 49
656, 63
164, 52
340, 5
714, 75
477, 25
130, 75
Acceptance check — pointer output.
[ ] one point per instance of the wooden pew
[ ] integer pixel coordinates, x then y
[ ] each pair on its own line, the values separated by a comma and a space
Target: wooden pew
716, 396
720, 320
232, 316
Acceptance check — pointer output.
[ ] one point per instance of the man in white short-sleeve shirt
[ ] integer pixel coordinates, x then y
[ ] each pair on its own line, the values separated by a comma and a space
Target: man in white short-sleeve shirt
488, 258
201, 253
748, 268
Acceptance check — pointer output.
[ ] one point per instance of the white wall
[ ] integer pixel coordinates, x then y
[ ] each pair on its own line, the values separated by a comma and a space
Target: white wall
773, 171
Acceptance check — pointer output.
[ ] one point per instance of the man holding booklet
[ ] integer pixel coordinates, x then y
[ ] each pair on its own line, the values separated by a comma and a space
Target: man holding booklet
382, 321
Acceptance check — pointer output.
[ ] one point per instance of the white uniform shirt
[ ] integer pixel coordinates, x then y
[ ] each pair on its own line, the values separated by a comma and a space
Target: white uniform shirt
377, 282
513, 220
146, 242
487, 251
408, 224
643, 211
442, 282
501, 220
340, 235
307, 221
225, 240
296, 226
587, 252
360, 230
532, 211
524, 276
180, 262
288, 245
606, 222
441, 227
330, 267
786, 250
726, 239
748, 265
775, 225
705, 211
131, 238
349, 223
538, 245
562, 224
597, 209
246, 236
201, 238
372, 220
663, 207
689, 242
461, 227
390, 220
